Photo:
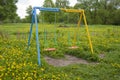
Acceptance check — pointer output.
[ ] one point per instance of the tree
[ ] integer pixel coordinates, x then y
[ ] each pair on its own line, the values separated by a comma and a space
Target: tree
100, 11
87, 5
62, 3
48, 16
48, 3
62, 17
29, 14
116, 18
109, 8
8, 10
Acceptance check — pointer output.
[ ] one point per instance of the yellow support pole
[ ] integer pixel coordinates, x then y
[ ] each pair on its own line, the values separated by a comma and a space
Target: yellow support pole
72, 10
88, 34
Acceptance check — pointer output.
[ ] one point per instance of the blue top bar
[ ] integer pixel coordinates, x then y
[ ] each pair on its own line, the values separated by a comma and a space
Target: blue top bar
48, 9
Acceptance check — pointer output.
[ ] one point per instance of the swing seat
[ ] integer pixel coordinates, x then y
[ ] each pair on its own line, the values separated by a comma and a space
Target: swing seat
49, 49
73, 47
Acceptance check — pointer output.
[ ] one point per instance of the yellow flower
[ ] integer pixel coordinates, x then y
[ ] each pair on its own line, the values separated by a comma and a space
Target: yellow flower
6, 74
13, 74
29, 78
26, 74
23, 78
13, 63
24, 64
65, 75
1, 75
78, 79
42, 69
2, 68
1, 57
53, 76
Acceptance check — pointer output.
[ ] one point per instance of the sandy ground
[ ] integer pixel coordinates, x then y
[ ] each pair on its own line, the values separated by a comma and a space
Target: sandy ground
66, 61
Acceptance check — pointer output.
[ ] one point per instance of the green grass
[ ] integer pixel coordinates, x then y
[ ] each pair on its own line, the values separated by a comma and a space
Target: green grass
18, 63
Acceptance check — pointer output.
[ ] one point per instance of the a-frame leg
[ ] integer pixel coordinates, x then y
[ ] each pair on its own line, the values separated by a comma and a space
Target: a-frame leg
37, 38
88, 34
30, 34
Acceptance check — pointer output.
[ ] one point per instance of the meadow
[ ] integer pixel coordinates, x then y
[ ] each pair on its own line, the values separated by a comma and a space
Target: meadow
18, 63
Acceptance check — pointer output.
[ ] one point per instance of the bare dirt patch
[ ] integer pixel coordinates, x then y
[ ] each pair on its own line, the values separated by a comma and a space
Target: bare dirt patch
66, 61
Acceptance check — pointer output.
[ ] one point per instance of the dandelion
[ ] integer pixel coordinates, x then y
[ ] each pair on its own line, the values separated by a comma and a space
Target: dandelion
26, 74
1, 75
65, 75
23, 78
29, 78
6, 74
2, 68
1, 57
53, 76
13, 74
42, 69
78, 79
24, 64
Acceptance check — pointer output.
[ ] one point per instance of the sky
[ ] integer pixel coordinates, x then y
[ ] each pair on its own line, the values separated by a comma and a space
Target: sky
22, 5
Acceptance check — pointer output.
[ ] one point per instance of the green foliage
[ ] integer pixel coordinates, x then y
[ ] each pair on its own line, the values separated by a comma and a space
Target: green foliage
83, 54
48, 3
18, 63
29, 16
116, 17
100, 11
52, 17
97, 12
54, 54
8, 10
62, 3
48, 17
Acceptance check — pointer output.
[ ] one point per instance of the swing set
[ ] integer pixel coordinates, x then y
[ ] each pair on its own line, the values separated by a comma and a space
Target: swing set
35, 21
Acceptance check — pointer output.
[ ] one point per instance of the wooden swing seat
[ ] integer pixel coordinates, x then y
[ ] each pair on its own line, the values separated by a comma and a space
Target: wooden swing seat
49, 49
73, 47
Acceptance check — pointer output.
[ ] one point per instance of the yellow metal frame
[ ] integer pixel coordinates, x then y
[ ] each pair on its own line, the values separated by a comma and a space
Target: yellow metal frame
82, 15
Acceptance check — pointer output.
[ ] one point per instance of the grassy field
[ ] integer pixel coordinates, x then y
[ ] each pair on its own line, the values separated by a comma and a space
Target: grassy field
17, 63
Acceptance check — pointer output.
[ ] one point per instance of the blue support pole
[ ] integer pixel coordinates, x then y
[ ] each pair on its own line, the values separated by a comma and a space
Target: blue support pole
30, 31
48, 9
37, 38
